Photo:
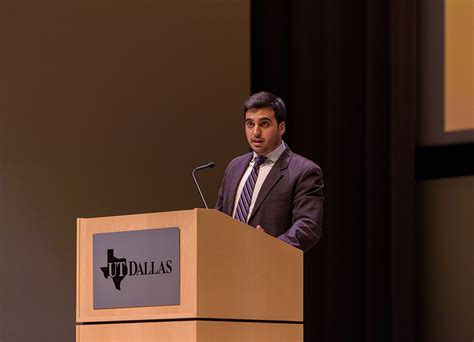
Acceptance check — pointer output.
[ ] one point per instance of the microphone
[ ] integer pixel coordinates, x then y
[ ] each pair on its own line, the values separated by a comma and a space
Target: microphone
207, 166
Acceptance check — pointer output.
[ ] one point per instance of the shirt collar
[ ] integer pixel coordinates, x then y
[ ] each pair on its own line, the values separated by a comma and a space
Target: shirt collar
275, 154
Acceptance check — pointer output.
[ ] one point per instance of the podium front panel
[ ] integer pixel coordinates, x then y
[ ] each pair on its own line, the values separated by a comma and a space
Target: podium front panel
184, 220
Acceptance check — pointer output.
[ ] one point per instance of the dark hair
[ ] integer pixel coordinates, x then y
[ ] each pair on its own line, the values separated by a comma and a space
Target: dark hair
265, 99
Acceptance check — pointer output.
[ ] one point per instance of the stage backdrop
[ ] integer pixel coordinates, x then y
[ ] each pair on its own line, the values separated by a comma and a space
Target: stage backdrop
105, 108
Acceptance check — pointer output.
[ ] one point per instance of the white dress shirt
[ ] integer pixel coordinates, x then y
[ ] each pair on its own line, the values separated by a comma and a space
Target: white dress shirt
265, 168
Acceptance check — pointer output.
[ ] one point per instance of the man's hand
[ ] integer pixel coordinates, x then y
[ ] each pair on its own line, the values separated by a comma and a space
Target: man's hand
260, 229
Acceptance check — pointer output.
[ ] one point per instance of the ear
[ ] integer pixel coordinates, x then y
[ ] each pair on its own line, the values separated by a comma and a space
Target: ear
281, 128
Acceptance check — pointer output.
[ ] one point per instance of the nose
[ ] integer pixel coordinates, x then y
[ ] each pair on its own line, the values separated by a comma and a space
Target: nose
256, 131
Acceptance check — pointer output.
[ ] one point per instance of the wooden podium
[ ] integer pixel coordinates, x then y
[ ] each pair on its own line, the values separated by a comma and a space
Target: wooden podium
236, 284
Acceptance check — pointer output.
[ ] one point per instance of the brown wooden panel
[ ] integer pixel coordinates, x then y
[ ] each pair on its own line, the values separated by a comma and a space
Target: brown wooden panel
202, 331
162, 331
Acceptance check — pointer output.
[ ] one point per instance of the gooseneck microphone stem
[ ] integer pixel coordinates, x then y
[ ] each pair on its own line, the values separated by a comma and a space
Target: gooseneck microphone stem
207, 166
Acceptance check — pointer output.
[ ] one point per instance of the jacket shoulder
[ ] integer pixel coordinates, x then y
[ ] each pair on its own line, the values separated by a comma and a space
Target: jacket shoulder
302, 163
244, 158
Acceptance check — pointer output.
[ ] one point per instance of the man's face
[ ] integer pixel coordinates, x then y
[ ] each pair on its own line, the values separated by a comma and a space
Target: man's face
262, 130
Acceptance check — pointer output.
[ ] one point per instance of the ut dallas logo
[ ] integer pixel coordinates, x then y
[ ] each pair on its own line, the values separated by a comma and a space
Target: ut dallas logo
118, 268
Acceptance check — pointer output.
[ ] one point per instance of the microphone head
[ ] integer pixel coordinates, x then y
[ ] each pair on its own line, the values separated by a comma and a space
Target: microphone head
211, 165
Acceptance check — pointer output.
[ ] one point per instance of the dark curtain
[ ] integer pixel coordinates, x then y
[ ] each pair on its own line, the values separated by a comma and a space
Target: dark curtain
346, 70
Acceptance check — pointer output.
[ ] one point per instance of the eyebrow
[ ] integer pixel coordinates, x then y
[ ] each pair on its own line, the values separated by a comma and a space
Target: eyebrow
261, 119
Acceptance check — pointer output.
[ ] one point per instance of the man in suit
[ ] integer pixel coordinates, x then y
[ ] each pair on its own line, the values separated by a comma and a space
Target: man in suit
273, 189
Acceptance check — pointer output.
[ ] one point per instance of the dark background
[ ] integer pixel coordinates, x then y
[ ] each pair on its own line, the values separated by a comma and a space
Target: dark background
348, 73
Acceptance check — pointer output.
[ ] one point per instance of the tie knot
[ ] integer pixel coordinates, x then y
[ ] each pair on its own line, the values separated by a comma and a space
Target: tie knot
260, 160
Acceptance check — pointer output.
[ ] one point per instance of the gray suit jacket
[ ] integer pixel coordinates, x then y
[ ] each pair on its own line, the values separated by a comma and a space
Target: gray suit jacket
289, 205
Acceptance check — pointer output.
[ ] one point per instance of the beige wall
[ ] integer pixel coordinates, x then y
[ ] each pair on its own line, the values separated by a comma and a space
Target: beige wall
446, 259
105, 108
446, 72
459, 66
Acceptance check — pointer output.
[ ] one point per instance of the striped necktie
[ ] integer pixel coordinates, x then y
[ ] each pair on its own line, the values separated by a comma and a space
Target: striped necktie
245, 199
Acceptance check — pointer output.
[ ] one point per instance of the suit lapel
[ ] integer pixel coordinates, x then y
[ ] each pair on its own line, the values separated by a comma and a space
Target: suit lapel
276, 173
234, 183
